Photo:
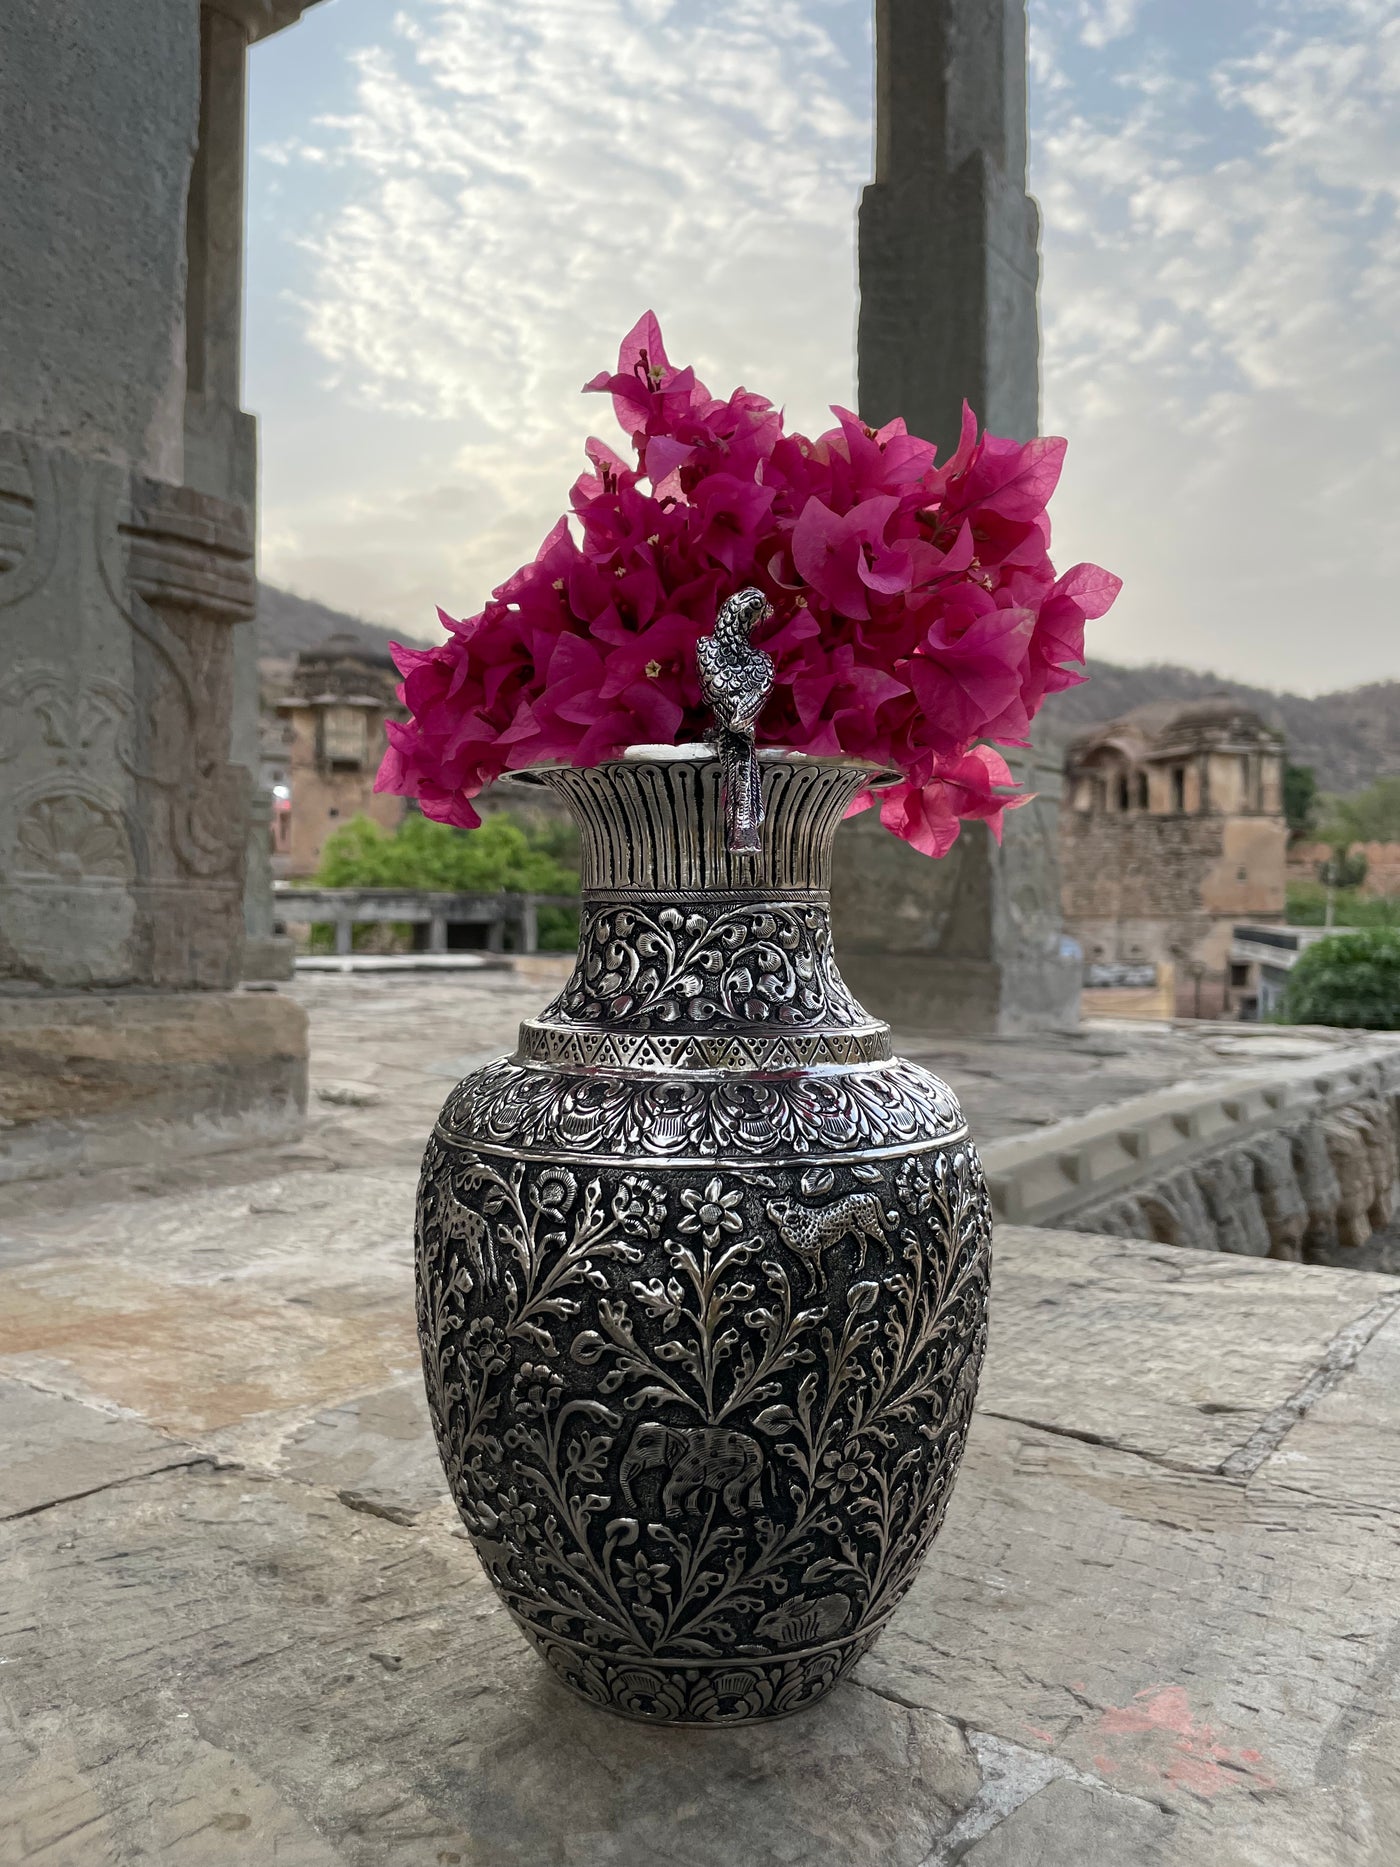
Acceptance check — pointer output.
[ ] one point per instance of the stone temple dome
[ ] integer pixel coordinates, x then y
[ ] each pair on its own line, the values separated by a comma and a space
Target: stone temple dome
1193, 757
1173, 831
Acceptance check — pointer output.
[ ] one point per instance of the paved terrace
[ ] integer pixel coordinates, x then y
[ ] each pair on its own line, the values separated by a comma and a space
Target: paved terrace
237, 1624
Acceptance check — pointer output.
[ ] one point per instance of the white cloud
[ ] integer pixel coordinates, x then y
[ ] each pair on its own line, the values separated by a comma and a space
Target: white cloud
1103, 21
521, 181
514, 182
1220, 345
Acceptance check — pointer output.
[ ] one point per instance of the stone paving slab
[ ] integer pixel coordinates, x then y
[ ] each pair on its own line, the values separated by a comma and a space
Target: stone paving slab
369, 1690
1161, 1627
1179, 1660
97, 1449
1186, 1357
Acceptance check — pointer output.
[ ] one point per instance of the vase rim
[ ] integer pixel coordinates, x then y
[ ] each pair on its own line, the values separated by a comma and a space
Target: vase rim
698, 753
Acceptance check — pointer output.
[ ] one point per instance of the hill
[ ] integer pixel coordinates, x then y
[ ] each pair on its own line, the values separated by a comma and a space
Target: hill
287, 624
1349, 738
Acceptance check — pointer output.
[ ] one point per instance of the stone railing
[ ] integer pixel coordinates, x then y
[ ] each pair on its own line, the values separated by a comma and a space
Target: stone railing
1284, 1160
348, 908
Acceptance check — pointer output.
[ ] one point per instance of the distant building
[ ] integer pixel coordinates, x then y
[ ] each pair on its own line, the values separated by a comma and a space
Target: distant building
1262, 958
321, 759
1173, 831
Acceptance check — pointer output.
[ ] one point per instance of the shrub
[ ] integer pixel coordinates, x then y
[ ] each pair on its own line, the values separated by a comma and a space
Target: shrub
1307, 907
502, 855
1344, 868
1369, 816
1350, 979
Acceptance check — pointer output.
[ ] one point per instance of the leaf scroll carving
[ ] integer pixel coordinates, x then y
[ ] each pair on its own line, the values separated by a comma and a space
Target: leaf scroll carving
682, 1430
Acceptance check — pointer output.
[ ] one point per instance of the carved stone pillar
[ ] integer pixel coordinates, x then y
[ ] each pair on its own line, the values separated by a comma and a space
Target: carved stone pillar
221, 442
949, 264
948, 275
126, 597
121, 817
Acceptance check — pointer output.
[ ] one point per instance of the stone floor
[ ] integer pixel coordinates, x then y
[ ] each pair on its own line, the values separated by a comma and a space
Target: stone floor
1161, 1625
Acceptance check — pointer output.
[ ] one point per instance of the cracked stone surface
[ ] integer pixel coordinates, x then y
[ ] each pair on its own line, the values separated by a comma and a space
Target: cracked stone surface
1160, 1628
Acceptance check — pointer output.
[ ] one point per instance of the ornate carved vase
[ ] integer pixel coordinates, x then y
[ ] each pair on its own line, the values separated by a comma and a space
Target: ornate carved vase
702, 1270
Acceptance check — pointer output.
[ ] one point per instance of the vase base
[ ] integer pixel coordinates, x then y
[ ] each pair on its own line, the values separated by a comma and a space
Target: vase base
702, 1694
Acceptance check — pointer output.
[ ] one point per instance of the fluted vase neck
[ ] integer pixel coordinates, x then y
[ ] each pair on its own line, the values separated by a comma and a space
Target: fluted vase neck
691, 956
651, 823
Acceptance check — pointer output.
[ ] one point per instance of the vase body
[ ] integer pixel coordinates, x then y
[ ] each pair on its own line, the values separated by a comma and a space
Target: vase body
702, 1271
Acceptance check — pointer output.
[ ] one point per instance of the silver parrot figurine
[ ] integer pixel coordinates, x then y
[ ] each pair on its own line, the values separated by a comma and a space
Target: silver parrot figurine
736, 678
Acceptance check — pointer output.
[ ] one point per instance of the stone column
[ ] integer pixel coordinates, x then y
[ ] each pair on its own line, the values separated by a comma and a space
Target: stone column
971, 945
126, 598
221, 443
949, 265
948, 276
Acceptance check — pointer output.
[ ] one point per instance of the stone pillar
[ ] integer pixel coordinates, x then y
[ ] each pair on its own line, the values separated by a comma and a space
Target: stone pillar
948, 235
221, 446
971, 945
126, 598
948, 275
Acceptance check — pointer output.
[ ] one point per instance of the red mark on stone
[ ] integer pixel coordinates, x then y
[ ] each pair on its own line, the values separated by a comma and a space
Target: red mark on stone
1046, 1737
1159, 1708
1174, 1748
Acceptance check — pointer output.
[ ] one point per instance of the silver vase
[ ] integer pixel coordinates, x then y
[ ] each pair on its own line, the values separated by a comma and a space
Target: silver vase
702, 1270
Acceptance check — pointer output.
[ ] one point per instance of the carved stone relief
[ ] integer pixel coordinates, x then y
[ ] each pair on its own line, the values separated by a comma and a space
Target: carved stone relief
121, 820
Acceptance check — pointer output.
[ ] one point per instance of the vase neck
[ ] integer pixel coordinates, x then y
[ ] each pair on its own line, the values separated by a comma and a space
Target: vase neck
656, 826
693, 957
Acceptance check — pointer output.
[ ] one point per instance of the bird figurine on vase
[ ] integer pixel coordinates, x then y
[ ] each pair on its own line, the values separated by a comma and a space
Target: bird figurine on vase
735, 678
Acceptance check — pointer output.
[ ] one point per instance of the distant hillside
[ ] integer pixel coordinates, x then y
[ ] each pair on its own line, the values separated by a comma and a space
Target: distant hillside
287, 624
1349, 738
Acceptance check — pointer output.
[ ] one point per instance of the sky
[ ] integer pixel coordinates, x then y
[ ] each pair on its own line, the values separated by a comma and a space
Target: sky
458, 207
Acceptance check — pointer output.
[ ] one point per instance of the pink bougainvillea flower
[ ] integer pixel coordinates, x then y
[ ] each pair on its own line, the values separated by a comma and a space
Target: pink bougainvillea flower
915, 611
845, 558
978, 784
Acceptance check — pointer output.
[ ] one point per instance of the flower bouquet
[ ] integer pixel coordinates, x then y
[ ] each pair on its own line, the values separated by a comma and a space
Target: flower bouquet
914, 612
702, 1267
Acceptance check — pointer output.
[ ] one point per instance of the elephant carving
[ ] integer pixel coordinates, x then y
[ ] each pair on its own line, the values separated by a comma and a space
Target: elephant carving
697, 1459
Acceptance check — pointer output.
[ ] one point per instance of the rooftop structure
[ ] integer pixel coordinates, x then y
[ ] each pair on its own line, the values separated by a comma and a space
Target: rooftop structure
1174, 830
332, 737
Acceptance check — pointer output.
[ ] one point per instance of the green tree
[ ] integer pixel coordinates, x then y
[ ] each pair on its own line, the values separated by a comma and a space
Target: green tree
501, 856
1369, 816
1350, 979
1344, 868
1299, 798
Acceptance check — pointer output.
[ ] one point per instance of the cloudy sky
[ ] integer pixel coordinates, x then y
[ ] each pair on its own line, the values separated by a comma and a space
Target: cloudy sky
458, 206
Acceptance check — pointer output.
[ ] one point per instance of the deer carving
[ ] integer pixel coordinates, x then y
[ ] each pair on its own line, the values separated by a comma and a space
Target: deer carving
809, 1231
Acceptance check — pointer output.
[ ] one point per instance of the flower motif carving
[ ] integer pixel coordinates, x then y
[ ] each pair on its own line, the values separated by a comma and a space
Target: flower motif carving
711, 1212
75, 725
699, 1484
695, 965
70, 835
603, 1115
